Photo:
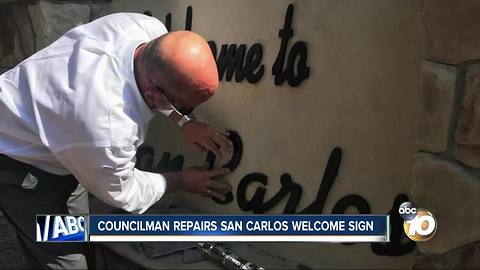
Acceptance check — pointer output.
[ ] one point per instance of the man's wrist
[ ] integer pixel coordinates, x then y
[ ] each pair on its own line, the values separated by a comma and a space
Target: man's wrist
181, 120
185, 120
174, 181
175, 117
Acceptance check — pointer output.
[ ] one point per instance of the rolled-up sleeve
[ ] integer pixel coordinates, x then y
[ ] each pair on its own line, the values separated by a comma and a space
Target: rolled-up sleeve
110, 175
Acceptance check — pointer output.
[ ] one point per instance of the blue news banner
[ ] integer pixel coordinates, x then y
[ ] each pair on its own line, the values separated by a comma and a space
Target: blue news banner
214, 228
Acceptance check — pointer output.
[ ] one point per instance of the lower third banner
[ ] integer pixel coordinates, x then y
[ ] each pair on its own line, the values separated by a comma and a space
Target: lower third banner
239, 228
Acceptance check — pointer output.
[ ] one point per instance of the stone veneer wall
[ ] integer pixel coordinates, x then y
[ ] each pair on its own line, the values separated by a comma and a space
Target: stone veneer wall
30, 25
26, 27
446, 173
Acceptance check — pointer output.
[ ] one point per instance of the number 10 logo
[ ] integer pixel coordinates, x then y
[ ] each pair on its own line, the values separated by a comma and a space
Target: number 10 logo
419, 223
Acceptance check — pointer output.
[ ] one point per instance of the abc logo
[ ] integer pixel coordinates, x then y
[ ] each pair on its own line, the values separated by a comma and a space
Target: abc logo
60, 228
419, 224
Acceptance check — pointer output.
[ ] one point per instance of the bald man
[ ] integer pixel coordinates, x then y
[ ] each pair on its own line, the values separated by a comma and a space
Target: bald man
76, 112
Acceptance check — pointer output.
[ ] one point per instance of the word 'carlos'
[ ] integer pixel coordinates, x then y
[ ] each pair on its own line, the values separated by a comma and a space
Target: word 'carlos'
289, 191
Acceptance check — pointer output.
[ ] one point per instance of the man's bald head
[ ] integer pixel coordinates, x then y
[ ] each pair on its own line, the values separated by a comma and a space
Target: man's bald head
182, 65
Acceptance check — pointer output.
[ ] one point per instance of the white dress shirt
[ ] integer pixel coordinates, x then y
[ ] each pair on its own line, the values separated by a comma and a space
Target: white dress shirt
75, 108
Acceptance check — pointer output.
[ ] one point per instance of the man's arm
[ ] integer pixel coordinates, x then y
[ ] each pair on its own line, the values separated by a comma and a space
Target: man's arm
203, 137
198, 181
110, 175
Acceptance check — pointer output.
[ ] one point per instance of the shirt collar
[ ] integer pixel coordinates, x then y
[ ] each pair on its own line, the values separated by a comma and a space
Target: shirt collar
126, 54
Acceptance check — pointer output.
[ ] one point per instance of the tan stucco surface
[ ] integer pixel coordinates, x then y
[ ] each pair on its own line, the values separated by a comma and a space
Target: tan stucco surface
362, 94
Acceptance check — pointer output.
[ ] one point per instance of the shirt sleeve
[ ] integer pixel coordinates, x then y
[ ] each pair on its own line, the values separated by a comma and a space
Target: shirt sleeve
153, 26
110, 175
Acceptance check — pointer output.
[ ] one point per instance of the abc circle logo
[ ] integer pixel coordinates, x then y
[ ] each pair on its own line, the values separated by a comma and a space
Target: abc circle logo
419, 224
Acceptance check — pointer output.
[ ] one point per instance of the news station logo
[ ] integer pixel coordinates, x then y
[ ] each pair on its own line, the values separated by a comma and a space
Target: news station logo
60, 228
419, 224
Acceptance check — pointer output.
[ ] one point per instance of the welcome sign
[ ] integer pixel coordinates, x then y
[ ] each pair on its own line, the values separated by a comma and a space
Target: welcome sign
322, 98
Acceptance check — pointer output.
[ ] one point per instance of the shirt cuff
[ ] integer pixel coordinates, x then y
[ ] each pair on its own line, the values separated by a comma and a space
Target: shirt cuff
157, 182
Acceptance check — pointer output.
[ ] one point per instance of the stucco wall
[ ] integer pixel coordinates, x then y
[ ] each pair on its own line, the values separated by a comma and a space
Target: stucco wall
361, 96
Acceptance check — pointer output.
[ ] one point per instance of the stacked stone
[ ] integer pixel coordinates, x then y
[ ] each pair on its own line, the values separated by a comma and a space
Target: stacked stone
447, 166
29, 26
26, 27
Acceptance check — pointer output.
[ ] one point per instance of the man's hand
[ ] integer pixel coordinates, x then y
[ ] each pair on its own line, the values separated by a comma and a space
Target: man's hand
198, 181
203, 137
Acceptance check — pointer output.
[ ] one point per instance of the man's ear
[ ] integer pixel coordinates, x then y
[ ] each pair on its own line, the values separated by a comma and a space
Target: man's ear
149, 98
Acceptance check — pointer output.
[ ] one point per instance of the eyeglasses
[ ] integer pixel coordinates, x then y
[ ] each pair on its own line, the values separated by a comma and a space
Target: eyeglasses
178, 110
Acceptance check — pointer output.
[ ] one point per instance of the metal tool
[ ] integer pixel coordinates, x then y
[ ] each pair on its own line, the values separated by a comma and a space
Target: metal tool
224, 255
